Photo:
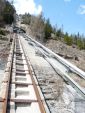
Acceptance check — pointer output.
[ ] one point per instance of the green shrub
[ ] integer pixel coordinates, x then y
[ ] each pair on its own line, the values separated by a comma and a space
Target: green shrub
59, 33
3, 38
2, 32
68, 40
80, 44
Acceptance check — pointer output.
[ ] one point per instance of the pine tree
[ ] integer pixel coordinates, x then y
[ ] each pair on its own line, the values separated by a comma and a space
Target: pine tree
80, 43
68, 40
8, 13
48, 29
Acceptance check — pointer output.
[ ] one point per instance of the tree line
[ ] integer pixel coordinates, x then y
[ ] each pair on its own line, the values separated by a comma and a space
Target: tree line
43, 30
7, 12
40, 27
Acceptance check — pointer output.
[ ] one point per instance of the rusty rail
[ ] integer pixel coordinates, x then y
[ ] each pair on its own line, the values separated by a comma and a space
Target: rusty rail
6, 81
5, 99
42, 108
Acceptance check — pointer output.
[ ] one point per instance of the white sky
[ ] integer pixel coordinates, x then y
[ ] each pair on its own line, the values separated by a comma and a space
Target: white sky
27, 6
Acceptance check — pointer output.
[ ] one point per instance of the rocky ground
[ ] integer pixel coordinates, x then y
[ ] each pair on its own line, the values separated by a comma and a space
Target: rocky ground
4, 49
4, 52
72, 54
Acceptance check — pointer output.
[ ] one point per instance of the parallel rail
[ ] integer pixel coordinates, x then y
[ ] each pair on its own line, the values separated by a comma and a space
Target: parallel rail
19, 90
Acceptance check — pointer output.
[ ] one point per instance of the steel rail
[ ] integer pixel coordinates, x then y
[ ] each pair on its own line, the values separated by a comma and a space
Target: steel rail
42, 108
5, 101
9, 70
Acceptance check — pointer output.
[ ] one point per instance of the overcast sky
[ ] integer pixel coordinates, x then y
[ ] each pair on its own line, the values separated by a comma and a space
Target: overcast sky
70, 13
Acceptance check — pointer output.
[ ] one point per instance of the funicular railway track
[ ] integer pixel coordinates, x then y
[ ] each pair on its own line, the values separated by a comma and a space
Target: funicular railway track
20, 92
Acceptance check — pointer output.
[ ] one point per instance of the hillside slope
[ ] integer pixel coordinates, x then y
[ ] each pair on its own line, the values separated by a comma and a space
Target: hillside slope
70, 53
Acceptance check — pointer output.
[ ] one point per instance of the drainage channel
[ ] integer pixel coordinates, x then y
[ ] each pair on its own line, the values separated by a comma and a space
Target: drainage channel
23, 91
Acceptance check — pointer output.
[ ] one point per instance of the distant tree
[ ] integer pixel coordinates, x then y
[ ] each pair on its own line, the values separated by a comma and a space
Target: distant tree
48, 29
80, 43
54, 30
8, 13
78, 35
2, 5
83, 43
26, 19
75, 39
68, 40
37, 26
59, 34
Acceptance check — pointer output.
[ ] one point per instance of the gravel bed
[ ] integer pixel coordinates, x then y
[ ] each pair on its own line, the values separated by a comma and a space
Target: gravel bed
4, 51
